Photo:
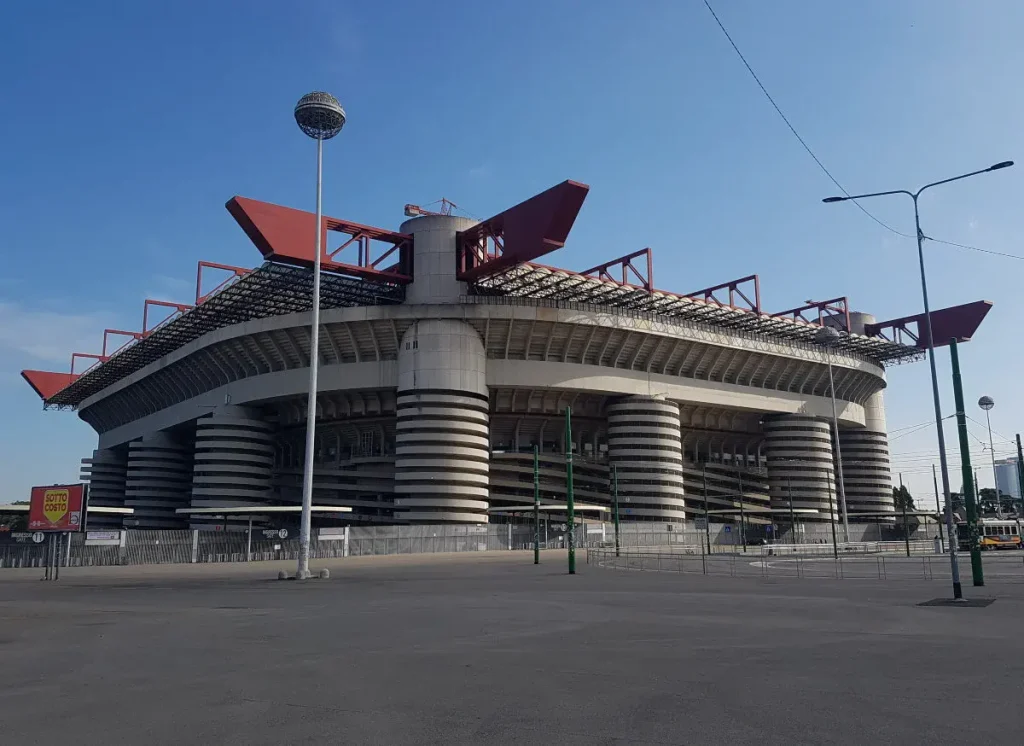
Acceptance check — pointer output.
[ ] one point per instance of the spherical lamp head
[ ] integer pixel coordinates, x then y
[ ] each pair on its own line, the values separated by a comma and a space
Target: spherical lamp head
826, 336
319, 115
986, 403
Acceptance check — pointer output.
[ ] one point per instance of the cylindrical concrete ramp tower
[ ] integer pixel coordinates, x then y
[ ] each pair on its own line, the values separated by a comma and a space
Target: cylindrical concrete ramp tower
158, 482
866, 471
645, 446
434, 275
106, 472
798, 449
442, 443
234, 457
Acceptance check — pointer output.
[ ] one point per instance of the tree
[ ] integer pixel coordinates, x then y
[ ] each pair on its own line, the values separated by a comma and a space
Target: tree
14, 521
902, 499
987, 500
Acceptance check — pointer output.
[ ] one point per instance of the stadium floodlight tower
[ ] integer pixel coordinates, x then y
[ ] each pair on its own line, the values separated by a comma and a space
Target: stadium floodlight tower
828, 338
320, 116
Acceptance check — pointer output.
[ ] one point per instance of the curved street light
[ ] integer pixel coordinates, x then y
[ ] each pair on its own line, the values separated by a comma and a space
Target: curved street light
954, 566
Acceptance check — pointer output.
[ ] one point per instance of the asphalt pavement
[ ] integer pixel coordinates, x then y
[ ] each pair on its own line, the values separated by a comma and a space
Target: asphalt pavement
489, 649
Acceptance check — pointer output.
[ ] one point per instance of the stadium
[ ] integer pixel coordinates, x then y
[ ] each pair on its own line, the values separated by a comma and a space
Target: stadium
447, 353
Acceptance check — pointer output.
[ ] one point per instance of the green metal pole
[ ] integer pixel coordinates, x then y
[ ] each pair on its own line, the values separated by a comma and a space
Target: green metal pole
743, 520
536, 505
1020, 473
938, 510
1020, 488
974, 540
792, 519
707, 519
570, 508
615, 504
906, 528
831, 516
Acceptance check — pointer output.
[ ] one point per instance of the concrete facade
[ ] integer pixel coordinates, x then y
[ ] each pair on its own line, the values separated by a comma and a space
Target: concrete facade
429, 412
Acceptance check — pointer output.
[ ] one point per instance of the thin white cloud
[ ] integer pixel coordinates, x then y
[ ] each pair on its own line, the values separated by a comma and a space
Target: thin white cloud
480, 172
166, 287
29, 336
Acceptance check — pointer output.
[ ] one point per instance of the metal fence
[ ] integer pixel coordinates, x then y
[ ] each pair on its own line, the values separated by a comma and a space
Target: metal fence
865, 563
139, 547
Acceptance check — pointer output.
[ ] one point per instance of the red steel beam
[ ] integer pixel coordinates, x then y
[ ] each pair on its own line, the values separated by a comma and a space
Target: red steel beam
47, 383
285, 235
178, 308
735, 289
645, 276
236, 272
87, 356
135, 336
956, 322
836, 308
521, 233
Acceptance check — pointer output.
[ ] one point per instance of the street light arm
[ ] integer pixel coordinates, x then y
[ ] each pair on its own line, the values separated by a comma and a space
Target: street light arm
962, 176
865, 196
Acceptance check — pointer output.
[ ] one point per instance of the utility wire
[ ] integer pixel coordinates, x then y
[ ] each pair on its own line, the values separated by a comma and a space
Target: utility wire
972, 248
817, 160
1011, 441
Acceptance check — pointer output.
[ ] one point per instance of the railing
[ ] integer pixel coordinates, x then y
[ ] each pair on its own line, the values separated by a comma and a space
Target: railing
847, 566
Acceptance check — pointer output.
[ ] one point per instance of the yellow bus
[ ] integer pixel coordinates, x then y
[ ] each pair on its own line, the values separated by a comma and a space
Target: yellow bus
995, 534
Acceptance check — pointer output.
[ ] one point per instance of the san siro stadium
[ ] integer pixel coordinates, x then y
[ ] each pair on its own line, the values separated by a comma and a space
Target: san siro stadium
447, 354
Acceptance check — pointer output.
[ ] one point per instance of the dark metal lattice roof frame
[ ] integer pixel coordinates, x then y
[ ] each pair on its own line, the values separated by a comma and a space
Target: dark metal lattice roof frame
270, 290
548, 283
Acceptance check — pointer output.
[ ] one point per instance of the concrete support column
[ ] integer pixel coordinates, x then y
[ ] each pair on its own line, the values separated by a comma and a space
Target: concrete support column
442, 442
234, 457
866, 471
799, 454
106, 473
158, 481
645, 445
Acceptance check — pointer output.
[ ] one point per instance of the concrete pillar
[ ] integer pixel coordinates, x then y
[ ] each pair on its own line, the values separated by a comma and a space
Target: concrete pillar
158, 481
105, 472
442, 441
645, 445
866, 471
799, 453
234, 457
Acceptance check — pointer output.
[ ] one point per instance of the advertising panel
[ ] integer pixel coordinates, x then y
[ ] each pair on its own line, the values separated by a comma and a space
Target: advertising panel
59, 507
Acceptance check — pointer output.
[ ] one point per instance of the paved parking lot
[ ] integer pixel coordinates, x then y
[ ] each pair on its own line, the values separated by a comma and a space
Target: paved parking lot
488, 649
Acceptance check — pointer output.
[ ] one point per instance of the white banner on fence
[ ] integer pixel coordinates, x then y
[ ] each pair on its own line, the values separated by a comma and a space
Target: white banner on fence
105, 538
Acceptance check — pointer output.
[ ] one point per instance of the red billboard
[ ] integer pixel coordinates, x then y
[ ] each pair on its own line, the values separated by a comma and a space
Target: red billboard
59, 507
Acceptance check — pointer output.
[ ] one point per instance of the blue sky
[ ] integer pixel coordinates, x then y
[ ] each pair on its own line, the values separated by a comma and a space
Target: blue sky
128, 125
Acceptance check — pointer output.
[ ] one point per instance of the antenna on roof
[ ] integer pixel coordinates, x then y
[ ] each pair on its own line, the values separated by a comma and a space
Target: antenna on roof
415, 211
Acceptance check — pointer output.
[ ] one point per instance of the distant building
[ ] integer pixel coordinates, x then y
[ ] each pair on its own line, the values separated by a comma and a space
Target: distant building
1006, 477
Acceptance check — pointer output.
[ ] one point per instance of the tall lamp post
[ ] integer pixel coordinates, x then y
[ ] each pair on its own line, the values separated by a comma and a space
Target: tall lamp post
320, 116
930, 342
828, 337
986, 403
